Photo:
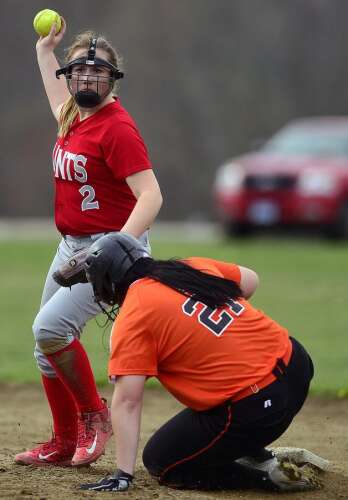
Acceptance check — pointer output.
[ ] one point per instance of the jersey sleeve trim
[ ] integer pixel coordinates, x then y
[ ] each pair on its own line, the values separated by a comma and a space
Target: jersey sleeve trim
135, 170
118, 373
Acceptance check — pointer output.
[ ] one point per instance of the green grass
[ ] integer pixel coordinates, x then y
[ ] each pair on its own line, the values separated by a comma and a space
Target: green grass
303, 286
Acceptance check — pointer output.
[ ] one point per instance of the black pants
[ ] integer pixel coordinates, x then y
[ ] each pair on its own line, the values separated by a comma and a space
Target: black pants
197, 449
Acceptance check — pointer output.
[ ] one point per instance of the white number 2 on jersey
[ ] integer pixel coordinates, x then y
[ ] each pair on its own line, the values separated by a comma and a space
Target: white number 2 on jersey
88, 202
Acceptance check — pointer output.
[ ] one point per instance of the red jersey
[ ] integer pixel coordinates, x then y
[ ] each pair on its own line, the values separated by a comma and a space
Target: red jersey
90, 165
202, 356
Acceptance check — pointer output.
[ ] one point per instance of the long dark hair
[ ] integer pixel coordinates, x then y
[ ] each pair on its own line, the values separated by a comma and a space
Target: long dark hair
180, 276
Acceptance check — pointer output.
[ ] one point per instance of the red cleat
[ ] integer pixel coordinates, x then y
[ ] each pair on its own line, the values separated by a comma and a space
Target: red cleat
94, 430
53, 452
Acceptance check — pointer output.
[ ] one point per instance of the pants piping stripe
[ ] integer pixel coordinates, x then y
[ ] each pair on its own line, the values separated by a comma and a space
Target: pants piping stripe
199, 452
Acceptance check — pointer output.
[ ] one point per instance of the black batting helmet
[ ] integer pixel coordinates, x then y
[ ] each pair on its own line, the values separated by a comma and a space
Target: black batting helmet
108, 261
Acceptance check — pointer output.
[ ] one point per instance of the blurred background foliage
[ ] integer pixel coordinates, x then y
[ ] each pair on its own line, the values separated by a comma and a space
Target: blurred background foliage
205, 80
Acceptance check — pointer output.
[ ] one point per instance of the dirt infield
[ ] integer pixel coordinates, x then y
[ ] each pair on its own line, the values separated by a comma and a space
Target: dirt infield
322, 428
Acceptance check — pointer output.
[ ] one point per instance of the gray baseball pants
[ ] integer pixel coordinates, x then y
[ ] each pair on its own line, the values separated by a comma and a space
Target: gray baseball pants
65, 311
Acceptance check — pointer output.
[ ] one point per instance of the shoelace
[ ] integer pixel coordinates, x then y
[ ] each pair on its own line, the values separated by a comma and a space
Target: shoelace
85, 429
47, 445
53, 445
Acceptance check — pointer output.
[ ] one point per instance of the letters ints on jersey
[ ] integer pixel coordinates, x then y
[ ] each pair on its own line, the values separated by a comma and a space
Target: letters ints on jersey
69, 166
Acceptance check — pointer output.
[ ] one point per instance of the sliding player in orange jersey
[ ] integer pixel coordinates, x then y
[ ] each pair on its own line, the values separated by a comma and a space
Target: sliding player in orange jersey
237, 371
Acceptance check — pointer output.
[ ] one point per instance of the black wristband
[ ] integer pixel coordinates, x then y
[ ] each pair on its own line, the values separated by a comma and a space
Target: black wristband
121, 474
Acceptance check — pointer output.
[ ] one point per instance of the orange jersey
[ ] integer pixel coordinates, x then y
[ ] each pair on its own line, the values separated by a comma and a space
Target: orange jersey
202, 356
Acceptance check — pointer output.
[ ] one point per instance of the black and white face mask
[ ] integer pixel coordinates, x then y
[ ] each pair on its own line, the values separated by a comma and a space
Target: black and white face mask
87, 87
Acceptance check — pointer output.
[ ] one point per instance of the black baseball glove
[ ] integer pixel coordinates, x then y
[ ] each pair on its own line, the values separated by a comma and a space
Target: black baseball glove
120, 481
73, 270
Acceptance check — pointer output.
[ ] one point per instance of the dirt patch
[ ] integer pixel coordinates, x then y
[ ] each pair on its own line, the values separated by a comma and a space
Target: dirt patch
24, 419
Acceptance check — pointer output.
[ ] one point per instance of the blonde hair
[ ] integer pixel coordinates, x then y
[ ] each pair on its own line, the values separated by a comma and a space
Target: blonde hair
69, 110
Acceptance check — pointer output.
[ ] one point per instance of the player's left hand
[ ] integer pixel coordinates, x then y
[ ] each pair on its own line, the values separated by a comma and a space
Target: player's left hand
120, 481
72, 271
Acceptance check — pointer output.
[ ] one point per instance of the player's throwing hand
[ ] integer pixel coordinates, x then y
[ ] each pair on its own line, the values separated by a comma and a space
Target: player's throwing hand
53, 38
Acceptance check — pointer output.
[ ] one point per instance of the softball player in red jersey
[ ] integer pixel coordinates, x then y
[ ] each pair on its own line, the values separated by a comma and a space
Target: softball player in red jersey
103, 183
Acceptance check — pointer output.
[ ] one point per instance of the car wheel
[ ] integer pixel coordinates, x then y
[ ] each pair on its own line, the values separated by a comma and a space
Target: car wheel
240, 229
340, 229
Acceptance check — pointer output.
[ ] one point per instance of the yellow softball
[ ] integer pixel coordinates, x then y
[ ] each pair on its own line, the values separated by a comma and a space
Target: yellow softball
44, 19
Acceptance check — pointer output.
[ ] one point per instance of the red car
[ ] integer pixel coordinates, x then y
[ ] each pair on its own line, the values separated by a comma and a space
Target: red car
299, 177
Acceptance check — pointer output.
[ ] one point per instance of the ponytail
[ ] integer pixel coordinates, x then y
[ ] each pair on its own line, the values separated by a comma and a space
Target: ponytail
213, 291
67, 115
